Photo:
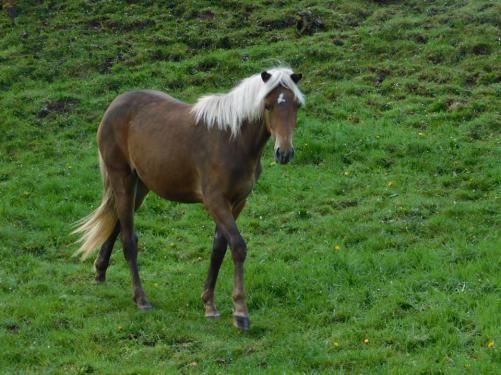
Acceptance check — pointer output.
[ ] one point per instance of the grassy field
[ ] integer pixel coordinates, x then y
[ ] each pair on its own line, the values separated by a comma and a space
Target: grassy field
377, 250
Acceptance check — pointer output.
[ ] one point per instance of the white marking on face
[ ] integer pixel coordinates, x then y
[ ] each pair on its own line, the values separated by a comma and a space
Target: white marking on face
281, 98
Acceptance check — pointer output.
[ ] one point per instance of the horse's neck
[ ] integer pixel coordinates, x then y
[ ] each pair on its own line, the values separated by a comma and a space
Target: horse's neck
253, 138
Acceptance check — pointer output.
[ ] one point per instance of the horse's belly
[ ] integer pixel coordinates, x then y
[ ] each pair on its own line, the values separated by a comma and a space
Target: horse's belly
171, 184
170, 180
180, 196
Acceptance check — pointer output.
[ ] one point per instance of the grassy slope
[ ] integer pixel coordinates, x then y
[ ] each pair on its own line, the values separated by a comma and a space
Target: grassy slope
385, 227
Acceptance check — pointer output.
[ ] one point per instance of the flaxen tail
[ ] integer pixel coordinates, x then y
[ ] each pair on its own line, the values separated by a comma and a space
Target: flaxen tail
98, 226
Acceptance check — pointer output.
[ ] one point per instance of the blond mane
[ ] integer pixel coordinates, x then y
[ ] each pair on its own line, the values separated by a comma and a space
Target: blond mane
244, 102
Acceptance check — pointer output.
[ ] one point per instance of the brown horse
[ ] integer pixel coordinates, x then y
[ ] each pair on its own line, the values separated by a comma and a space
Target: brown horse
208, 152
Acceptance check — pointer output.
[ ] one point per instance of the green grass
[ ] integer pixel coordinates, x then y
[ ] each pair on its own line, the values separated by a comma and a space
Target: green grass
376, 251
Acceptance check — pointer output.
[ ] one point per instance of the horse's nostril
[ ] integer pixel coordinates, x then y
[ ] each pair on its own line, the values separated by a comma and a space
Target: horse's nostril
283, 157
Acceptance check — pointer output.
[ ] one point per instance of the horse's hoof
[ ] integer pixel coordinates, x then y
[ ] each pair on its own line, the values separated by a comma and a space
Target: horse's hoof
145, 306
213, 315
142, 303
241, 322
100, 278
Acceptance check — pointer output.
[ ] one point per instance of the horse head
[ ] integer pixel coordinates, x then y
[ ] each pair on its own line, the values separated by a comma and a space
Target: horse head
280, 115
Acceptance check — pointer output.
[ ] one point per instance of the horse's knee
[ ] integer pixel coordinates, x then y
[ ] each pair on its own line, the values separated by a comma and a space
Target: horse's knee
220, 243
239, 250
219, 237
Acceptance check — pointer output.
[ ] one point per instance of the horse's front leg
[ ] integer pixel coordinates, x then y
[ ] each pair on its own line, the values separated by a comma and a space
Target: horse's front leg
222, 212
218, 252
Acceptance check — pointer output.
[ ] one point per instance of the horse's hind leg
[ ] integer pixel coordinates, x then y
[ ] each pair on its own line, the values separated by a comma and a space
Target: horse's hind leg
103, 259
218, 251
123, 185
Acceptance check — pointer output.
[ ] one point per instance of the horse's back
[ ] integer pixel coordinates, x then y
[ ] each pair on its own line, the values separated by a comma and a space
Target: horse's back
132, 103
144, 110
150, 95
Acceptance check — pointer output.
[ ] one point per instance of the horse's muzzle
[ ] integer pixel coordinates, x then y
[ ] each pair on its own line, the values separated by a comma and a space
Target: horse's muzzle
283, 157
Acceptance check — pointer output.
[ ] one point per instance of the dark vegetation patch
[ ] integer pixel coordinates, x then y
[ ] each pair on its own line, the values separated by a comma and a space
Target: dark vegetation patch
279, 23
58, 106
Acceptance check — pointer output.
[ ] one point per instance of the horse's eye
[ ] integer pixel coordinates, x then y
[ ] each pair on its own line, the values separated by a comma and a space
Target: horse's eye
268, 107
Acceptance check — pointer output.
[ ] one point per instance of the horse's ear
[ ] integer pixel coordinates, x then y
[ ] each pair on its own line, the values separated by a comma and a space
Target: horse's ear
296, 77
265, 76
